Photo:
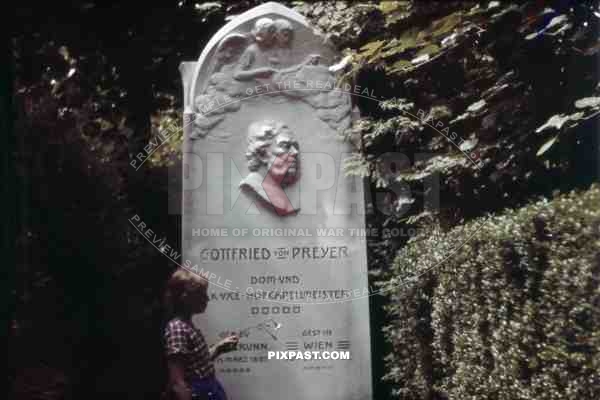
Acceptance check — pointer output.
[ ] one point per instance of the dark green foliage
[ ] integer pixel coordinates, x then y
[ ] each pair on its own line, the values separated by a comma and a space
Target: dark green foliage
518, 84
512, 314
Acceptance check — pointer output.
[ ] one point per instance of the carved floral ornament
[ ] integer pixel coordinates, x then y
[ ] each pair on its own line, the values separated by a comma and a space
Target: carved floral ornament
245, 63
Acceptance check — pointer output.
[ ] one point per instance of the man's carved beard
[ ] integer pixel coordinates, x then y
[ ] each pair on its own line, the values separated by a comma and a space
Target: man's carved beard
292, 174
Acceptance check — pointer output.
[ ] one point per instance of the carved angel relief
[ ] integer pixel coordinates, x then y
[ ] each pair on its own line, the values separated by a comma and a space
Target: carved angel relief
261, 58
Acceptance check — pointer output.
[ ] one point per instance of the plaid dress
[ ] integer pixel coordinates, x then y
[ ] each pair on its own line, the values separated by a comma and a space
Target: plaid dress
182, 338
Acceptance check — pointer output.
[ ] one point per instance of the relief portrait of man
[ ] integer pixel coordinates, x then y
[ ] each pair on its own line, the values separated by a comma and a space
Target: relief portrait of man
273, 163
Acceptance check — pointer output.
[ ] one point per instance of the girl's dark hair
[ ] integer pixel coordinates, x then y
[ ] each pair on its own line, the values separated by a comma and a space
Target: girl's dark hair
180, 282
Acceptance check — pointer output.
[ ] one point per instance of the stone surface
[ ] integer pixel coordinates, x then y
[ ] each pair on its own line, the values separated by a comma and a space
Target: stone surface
268, 213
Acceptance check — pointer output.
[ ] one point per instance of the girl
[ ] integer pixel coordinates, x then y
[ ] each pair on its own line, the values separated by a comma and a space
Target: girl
189, 359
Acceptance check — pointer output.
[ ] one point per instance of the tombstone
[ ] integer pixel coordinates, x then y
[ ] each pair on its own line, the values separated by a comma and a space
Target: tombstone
269, 216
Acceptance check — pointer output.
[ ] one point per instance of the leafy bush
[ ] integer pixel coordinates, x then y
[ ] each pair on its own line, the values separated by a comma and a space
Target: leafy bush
512, 313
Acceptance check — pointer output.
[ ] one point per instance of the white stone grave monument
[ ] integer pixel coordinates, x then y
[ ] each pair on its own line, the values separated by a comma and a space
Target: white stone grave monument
269, 216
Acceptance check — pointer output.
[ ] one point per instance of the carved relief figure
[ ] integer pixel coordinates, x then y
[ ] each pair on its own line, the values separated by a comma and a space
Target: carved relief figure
273, 163
270, 51
255, 62
243, 61
284, 35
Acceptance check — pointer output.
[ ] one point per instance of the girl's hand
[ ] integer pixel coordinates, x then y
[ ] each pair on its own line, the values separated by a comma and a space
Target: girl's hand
228, 344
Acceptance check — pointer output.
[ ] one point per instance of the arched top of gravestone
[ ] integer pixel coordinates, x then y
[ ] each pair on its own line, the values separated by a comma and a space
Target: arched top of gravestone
306, 41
